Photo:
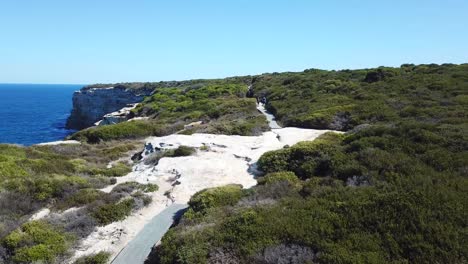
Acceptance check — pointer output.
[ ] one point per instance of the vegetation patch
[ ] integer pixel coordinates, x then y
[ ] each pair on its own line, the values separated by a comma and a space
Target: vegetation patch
183, 151
130, 187
285, 176
113, 212
36, 242
117, 170
99, 258
342, 100
81, 198
215, 197
57, 177
125, 130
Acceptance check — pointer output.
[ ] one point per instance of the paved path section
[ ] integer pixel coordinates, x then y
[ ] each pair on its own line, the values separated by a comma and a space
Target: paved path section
140, 247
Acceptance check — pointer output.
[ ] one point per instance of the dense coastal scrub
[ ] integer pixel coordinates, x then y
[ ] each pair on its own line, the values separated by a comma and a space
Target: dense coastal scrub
394, 189
36, 241
59, 178
341, 100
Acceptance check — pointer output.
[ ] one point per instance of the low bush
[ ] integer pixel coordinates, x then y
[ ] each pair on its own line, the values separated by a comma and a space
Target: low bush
306, 159
149, 188
125, 130
45, 188
13, 207
130, 187
113, 212
117, 170
99, 258
215, 197
80, 198
141, 200
285, 176
182, 151
36, 241
77, 222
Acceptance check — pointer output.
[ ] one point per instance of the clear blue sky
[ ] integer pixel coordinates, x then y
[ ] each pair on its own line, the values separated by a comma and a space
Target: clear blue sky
88, 41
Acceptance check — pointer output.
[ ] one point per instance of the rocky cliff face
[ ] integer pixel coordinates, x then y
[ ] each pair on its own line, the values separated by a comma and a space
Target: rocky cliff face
91, 104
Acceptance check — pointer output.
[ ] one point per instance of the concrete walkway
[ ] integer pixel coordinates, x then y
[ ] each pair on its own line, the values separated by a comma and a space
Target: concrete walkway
140, 247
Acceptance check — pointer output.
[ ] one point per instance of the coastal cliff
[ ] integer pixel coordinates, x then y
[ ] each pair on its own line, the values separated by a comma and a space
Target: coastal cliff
90, 104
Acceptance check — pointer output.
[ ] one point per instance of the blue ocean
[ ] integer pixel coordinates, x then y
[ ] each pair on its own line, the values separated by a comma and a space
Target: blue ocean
34, 113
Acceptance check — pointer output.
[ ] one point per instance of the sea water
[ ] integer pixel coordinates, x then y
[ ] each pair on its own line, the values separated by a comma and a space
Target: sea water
34, 113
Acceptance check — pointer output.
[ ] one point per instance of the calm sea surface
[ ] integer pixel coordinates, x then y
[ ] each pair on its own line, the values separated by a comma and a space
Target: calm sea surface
34, 113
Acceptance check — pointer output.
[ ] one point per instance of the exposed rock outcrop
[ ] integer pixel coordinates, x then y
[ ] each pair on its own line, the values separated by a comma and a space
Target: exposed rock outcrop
91, 104
118, 116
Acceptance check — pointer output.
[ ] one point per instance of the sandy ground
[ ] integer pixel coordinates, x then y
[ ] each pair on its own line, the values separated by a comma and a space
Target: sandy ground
40, 214
227, 160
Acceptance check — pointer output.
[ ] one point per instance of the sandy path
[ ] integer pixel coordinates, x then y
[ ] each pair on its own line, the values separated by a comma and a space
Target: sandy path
270, 118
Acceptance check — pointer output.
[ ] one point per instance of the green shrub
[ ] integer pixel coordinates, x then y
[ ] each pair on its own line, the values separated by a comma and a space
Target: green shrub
44, 188
306, 159
113, 212
125, 130
285, 176
215, 197
80, 198
130, 187
182, 151
37, 241
99, 258
11, 169
204, 148
117, 170
149, 188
